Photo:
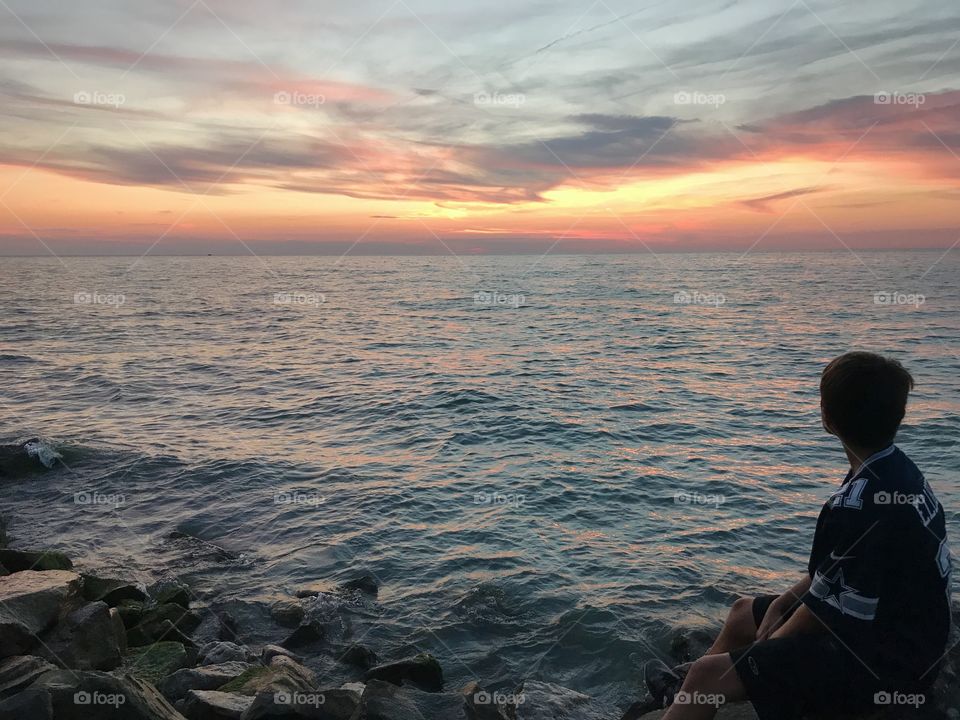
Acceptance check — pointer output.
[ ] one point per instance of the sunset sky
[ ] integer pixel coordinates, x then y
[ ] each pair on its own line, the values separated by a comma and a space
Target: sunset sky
406, 126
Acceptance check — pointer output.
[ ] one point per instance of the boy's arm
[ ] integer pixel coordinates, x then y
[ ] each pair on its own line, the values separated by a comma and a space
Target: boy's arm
779, 607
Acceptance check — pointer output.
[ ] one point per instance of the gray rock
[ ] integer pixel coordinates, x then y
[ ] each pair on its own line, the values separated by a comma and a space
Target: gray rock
385, 701
19, 671
308, 634
119, 629
153, 663
88, 695
359, 656
365, 584
111, 590
206, 677
20, 560
222, 651
170, 590
155, 623
31, 704
268, 652
287, 613
281, 675
86, 639
30, 602
215, 625
546, 701
479, 704
212, 705
423, 670
130, 612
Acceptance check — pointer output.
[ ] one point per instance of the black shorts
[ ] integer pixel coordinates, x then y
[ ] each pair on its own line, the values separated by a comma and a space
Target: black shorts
786, 678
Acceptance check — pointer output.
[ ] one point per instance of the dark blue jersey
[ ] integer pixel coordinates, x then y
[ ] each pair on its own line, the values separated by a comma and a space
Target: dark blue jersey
880, 568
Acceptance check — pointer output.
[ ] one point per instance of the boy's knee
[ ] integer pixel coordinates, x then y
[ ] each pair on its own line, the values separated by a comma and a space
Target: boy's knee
704, 673
742, 609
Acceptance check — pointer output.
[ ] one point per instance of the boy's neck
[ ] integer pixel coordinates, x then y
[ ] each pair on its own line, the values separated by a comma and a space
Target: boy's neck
857, 455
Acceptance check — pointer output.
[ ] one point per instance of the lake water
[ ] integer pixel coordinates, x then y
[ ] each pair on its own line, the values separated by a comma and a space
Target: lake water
549, 464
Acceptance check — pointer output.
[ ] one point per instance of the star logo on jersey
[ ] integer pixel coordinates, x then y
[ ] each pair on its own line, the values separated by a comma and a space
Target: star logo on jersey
836, 588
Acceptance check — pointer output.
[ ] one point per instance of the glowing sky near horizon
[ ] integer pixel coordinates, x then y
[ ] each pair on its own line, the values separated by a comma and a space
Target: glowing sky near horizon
409, 126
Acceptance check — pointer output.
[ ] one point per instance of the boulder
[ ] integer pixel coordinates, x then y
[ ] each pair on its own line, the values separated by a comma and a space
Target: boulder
215, 625
90, 695
170, 590
206, 677
31, 704
86, 639
536, 700
287, 613
156, 621
212, 705
281, 675
337, 704
155, 662
19, 671
20, 560
130, 612
111, 590
359, 656
119, 629
385, 701
479, 704
268, 652
308, 634
423, 670
31, 602
365, 584
220, 652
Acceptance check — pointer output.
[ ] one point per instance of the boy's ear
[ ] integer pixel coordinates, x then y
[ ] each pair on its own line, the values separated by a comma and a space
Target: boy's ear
826, 422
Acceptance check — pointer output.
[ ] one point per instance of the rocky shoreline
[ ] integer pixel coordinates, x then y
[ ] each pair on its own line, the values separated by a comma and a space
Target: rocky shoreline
78, 645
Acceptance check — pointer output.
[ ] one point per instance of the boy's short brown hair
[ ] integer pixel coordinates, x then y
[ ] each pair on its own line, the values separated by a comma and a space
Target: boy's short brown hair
864, 397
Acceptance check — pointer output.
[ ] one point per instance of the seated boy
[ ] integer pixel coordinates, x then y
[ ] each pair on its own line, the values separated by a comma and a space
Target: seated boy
867, 624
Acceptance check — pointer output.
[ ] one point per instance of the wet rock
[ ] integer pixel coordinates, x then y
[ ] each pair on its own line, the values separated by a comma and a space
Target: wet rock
156, 621
215, 625
20, 560
688, 645
86, 639
303, 636
546, 701
206, 677
31, 602
479, 704
423, 670
287, 613
271, 651
19, 671
222, 651
88, 695
365, 584
337, 704
281, 675
386, 701
31, 704
119, 630
359, 656
155, 662
170, 591
213, 705
130, 612
111, 590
